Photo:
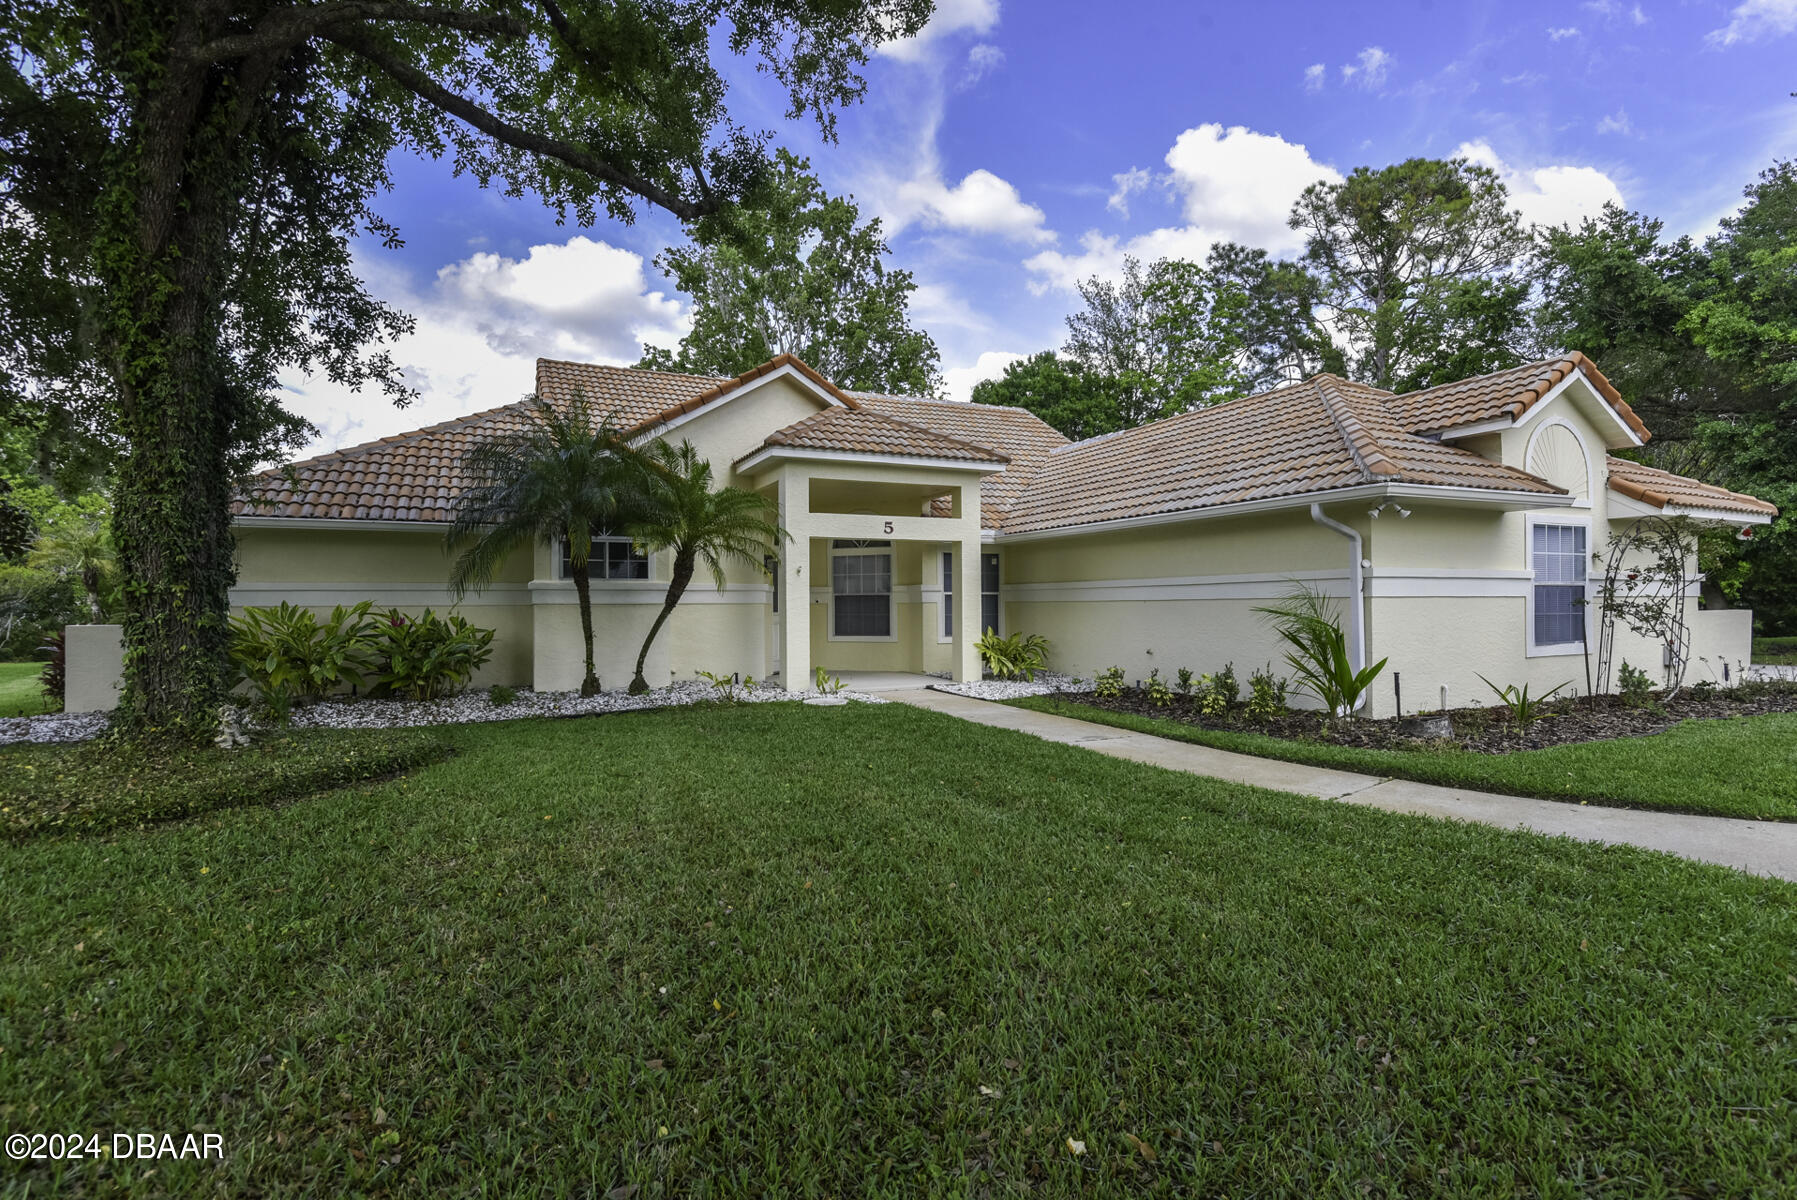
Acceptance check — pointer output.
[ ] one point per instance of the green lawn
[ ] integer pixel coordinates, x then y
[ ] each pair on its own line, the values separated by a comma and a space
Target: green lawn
778, 950
1740, 767
20, 693
1775, 650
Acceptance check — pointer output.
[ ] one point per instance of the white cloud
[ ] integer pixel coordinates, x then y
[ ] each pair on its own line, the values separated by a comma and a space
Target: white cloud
1314, 77
978, 17
1617, 122
981, 203
1612, 10
1126, 185
957, 382
1554, 195
1240, 184
1754, 19
482, 324
1234, 185
1563, 32
982, 60
1370, 69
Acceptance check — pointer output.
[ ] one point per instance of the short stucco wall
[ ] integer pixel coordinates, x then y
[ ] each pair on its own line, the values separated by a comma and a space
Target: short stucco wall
96, 667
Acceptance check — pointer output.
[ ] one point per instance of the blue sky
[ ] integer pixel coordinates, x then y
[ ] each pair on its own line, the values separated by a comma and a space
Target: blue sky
1014, 148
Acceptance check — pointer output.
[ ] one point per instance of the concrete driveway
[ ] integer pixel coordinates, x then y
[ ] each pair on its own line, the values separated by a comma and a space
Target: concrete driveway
1757, 847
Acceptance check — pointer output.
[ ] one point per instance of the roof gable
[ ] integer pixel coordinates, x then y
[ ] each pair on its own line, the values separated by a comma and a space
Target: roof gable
1506, 397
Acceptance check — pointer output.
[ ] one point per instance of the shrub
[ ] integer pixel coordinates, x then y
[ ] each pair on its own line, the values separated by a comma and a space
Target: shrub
287, 654
1212, 700
1019, 656
1159, 694
828, 684
1318, 652
1184, 684
54, 678
1109, 684
1635, 686
1266, 695
428, 657
52, 791
500, 695
1226, 683
1524, 709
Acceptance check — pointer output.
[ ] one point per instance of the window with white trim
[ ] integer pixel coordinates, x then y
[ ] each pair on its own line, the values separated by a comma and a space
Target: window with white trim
1557, 558
948, 593
609, 558
989, 594
860, 589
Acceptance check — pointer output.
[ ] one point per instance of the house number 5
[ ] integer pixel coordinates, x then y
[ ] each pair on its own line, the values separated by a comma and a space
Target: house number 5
889, 527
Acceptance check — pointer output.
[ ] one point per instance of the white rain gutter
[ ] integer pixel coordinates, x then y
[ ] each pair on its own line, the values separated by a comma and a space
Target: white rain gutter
1356, 592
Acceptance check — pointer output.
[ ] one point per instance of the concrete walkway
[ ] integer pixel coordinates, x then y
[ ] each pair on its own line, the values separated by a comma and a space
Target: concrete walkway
1758, 847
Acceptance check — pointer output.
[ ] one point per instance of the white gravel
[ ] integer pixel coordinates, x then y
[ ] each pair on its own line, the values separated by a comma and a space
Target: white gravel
468, 708
1012, 689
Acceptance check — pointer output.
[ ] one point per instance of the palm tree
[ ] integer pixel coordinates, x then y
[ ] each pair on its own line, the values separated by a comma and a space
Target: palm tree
79, 546
683, 514
566, 474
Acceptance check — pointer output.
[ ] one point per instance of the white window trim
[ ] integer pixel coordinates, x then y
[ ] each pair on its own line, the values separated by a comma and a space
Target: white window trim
1558, 649
830, 634
560, 552
1528, 453
948, 598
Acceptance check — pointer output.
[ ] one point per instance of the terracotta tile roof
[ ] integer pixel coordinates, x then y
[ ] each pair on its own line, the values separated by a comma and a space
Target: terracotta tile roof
857, 431
1504, 394
637, 400
1024, 438
1658, 488
1322, 434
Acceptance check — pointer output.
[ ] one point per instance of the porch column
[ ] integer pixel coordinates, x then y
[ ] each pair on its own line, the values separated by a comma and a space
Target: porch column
967, 587
795, 579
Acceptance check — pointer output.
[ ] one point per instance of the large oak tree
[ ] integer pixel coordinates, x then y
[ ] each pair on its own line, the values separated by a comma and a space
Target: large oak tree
180, 182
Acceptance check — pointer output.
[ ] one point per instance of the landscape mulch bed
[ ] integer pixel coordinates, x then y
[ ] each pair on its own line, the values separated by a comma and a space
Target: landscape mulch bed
1488, 730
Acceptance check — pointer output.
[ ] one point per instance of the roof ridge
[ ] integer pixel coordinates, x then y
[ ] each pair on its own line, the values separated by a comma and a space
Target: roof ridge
777, 437
393, 439
1362, 446
593, 366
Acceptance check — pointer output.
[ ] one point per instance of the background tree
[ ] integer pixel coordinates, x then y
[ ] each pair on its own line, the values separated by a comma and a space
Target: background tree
218, 156
1275, 315
565, 476
1078, 402
799, 272
1413, 262
702, 526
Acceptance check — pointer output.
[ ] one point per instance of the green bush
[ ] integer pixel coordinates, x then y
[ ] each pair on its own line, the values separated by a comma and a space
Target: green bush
1159, 694
55, 791
1183, 683
1635, 686
500, 695
1019, 656
1266, 695
288, 655
1524, 709
1109, 684
427, 657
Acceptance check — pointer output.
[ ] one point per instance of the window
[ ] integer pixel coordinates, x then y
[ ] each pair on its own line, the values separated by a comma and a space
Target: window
861, 590
989, 593
609, 558
948, 594
1557, 556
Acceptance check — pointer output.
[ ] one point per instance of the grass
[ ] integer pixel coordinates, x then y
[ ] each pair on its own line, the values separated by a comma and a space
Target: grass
1775, 650
874, 951
56, 791
1739, 767
20, 693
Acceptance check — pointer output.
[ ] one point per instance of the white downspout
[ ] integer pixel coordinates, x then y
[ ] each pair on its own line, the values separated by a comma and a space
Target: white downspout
1356, 592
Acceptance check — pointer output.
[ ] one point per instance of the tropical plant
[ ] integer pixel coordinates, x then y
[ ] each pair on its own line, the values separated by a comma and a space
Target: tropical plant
724, 682
1157, 691
679, 511
1318, 650
1109, 684
1019, 656
288, 655
54, 678
565, 474
1525, 710
1266, 695
827, 684
427, 657
501, 696
1634, 685
78, 546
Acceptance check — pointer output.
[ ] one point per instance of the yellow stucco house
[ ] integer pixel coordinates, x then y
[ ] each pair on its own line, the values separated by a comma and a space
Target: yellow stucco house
1458, 525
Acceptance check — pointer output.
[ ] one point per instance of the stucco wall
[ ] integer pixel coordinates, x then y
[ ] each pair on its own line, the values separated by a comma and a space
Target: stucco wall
94, 666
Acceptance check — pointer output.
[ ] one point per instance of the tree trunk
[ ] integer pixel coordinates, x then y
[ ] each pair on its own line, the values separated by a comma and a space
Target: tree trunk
589, 683
683, 575
165, 218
